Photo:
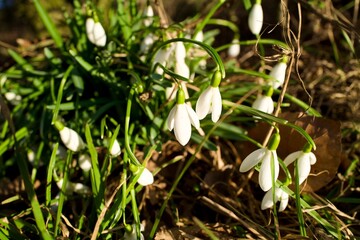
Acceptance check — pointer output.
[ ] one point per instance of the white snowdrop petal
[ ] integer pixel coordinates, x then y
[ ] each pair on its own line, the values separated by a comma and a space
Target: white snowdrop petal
89, 25
85, 162
71, 139
277, 75
146, 178
267, 201
255, 19
252, 159
99, 35
80, 188
182, 125
304, 168
265, 179
193, 116
149, 13
216, 104
203, 103
180, 51
284, 200
234, 49
132, 235
182, 69
199, 37
115, 149
312, 158
264, 104
292, 157
171, 118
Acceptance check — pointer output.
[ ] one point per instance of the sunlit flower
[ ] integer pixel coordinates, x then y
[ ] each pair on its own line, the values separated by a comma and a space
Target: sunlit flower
147, 43
256, 18
70, 138
115, 149
146, 178
264, 104
280, 195
277, 75
162, 57
199, 37
181, 117
182, 69
85, 162
72, 187
180, 51
149, 15
209, 102
264, 156
234, 49
13, 98
132, 235
95, 32
304, 160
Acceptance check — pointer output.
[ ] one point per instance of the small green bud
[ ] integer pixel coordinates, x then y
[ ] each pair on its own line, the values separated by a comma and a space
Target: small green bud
180, 98
274, 141
307, 148
269, 92
59, 126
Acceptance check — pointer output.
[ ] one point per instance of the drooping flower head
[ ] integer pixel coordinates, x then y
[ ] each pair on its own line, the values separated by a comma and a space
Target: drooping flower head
181, 117
95, 32
210, 100
264, 104
305, 159
85, 162
131, 235
149, 15
268, 158
69, 137
277, 74
115, 149
234, 49
256, 18
280, 195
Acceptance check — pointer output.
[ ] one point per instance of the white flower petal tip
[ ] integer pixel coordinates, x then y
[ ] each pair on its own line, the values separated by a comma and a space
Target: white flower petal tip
147, 43
305, 160
13, 98
256, 18
95, 32
265, 176
146, 178
71, 139
74, 187
148, 14
264, 104
234, 49
115, 149
209, 102
280, 195
277, 75
252, 159
85, 162
180, 118
182, 69
132, 235
180, 51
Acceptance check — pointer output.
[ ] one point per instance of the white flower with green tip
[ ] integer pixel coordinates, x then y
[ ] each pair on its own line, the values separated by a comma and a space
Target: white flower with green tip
264, 104
277, 75
280, 196
146, 178
95, 32
70, 138
256, 18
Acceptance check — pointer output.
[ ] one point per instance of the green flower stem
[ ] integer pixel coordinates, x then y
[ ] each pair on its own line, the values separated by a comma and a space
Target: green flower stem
226, 23
273, 188
211, 51
271, 118
298, 202
207, 17
288, 179
135, 211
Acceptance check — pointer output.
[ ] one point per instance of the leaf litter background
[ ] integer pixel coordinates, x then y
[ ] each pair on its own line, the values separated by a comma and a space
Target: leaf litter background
213, 190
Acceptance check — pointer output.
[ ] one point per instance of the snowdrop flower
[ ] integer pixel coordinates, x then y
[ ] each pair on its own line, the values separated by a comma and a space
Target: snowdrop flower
180, 51
182, 69
264, 104
13, 98
95, 32
147, 43
181, 117
85, 162
132, 235
256, 18
305, 159
277, 75
72, 187
266, 156
162, 57
115, 149
280, 195
234, 49
210, 100
146, 178
148, 14
70, 138
199, 37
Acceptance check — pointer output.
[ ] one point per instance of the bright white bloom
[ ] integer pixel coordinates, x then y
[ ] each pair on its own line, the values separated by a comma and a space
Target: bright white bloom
234, 49
146, 178
182, 69
305, 160
148, 14
71, 139
85, 162
180, 51
181, 117
147, 43
209, 102
277, 75
115, 149
264, 156
13, 98
74, 187
280, 195
162, 57
264, 104
132, 235
199, 37
95, 32
256, 18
